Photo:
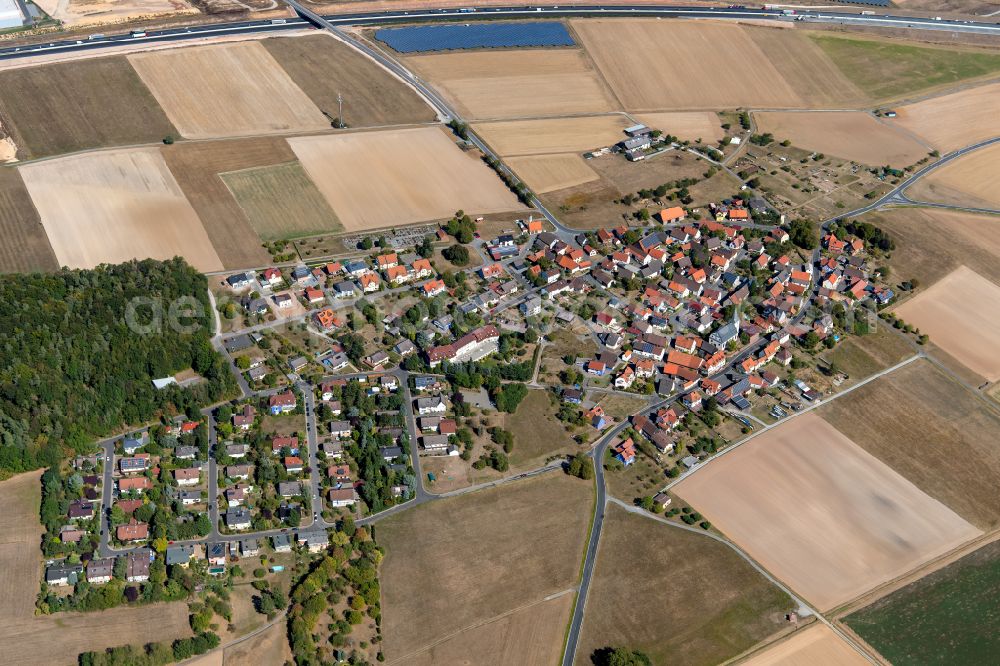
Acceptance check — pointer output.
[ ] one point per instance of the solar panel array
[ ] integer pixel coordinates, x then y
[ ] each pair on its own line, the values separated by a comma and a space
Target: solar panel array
448, 37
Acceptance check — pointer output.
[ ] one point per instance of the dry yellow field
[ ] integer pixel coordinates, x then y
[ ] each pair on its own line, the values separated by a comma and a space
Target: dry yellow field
381, 179
816, 645
547, 173
970, 180
688, 125
517, 83
234, 89
852, 135
113, 206
961, 314
526, 637
92, 12
656, 65
820, 513
954, 121
553, 135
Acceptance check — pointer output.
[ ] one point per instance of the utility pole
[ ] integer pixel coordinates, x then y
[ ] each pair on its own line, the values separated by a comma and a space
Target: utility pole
340, 110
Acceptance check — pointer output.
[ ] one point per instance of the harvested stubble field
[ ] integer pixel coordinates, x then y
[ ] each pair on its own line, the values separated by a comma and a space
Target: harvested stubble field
936, 433
462, 562
820, 513
816, 645
517, 83
61, 108
970, 180
527, 636
58, 639
948, 617
936, 121
546, 173
382, 179
553, 135
25, 246
969, 334
281, 202
972, 240
680, 598
686, 125
113, 206
653, 65
197, 166
233, 89
322, 67
852, 135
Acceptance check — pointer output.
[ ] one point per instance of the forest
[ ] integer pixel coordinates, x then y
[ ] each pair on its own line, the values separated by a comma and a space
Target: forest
72, 369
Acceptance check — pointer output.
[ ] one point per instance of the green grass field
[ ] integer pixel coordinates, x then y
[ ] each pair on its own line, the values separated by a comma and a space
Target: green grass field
949, 617
888, 70
282, 202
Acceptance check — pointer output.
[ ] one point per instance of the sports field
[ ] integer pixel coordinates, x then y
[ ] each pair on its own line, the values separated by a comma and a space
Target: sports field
686, 125
936, 433
970, 334
232, 89
820, 513
197, 166
25, 246
553, 135
281, 202
679, 65
948, 617
816, 645
680, 598
935, 119
852, 135
382, 179
519, 83
464, 563
30, 640
547, 173
113, 206
61, 108
324, 67
971, 180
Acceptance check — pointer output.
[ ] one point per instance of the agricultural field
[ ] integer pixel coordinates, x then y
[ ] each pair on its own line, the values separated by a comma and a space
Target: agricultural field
700, 64
381, 179
281, 202
113, 206
969, 334
197, 166
510, 84
26, 247
546, 173
323, 67
527, 636
820, 513
968, 181
852, 135
934, 119
93, 12
468, 562
538, 434
58, 639
678, 597
816, 645
947, 617
553, 135
940, 436
686, 125
972, 241
62, 108
891, 69
233, 89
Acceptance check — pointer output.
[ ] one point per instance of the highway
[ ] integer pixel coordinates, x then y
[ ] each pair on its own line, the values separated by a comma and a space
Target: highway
101, 41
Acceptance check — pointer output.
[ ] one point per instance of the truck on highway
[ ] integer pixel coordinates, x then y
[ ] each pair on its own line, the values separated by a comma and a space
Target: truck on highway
138, 33
278, 21
96, 37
